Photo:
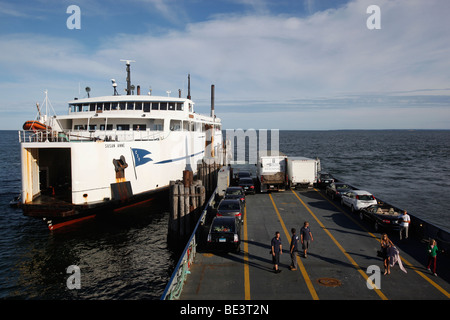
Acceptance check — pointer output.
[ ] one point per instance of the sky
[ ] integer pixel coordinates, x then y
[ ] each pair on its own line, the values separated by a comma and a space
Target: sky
284, 64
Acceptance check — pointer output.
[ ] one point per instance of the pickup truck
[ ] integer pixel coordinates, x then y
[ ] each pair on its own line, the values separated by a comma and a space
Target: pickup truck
272, 171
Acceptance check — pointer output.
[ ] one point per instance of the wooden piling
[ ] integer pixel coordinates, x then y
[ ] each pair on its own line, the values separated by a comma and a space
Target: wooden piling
187, 198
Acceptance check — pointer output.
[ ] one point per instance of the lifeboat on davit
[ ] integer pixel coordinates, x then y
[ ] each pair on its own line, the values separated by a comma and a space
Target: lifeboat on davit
35, 126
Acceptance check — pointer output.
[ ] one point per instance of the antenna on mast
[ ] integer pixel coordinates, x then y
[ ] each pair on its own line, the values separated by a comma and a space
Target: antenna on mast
128, 75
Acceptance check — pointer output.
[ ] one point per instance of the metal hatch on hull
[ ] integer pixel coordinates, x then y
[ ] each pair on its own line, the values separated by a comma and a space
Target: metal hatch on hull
48, 179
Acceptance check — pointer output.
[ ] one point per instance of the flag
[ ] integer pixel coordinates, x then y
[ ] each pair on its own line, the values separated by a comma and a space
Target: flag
140, 156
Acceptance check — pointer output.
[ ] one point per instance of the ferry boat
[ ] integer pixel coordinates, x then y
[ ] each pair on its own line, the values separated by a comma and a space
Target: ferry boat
111, 152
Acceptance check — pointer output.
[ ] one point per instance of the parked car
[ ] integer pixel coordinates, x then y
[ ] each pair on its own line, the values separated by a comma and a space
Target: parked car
243, 174
231, 207
247, 184
240, 175
224, 234
357, 199
324, 179
382, 216
235, 193
335, 189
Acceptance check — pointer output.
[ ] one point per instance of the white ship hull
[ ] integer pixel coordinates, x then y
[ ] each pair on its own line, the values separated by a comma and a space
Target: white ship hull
82, 175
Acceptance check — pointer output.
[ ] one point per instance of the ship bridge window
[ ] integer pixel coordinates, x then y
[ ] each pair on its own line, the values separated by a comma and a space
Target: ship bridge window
155, 105
75, 108
122, 105
92, 107
163, 106
138, 106
171, 105
180, 106
130, 105
107, 106
85, 107
146, 106
79, 127
123, 127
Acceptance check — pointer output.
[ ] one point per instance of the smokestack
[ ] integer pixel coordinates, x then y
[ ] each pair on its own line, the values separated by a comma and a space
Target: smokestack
138, 90
179, 93
189, 87
212, 100
128, 79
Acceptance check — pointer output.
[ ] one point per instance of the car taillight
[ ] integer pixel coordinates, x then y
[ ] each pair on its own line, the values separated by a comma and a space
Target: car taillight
236, 238
386, 221
357, 197
252, 187
242, 199
238, 215
218, 214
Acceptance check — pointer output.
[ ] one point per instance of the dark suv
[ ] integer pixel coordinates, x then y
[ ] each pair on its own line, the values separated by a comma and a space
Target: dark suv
324, 179
225, 234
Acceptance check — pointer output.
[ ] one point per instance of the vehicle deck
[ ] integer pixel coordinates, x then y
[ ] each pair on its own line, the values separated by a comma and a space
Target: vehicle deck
337, 266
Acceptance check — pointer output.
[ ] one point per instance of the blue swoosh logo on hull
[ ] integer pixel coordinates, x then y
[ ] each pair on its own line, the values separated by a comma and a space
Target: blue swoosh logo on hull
182, 158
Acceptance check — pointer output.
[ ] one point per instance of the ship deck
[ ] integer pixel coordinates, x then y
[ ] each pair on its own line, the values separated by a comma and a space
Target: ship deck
337, 267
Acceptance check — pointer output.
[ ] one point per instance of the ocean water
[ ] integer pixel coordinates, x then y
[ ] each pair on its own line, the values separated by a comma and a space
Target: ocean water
408, 168
128, 257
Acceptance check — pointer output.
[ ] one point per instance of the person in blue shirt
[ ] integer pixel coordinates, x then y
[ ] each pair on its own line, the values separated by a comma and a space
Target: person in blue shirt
276, 251
294, 249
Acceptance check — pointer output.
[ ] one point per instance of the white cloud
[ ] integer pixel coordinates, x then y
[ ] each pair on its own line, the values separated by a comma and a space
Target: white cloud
327, 59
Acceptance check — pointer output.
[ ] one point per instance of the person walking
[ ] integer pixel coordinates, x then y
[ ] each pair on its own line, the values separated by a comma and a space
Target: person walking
293, 249
432, 255
276, 251
306, 238
405, 220
386, 243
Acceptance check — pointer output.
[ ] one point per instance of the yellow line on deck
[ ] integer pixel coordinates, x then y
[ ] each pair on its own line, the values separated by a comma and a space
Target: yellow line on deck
353, 262
300, 263
434, 284
246, 269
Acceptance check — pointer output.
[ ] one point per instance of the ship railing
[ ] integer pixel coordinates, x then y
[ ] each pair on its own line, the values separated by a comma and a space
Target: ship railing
175, 285
82, 136
41, 136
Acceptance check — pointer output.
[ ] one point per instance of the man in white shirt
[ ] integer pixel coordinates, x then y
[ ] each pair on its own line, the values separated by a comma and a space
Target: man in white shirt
405, 221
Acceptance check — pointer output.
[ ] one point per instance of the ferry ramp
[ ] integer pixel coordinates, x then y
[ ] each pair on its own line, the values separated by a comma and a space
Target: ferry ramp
341, 262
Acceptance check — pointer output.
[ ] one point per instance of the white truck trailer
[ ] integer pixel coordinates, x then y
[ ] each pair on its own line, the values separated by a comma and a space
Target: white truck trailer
302, 172
271, 171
